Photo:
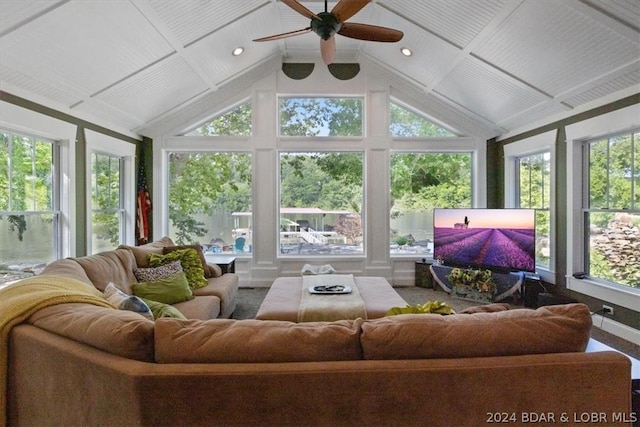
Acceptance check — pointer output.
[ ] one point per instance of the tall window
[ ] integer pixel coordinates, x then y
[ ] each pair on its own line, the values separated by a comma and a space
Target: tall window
421, 182
210, 200
321, 203
611, 208
107, 204
29, 200
534, 192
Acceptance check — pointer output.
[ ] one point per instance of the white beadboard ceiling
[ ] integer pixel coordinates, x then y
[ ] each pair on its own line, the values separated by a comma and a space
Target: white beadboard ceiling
502, 64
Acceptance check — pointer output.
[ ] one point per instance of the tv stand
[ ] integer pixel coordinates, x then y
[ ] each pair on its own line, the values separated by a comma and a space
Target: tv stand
508, 284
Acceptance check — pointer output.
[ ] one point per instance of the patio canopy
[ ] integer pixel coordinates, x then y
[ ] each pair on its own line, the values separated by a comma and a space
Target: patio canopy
298, 211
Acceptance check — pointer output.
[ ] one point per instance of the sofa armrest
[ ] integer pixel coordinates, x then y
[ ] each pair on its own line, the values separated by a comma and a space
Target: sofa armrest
224, 287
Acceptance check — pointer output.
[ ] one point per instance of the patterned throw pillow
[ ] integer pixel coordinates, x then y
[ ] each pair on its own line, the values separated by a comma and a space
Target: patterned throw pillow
191, 265
152, 274
126, 302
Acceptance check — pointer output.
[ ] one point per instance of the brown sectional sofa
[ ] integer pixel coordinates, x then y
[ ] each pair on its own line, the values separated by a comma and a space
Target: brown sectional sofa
78, 364
217, 299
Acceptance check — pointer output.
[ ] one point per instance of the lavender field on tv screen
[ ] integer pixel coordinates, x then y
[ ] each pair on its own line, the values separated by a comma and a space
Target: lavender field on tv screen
490, 238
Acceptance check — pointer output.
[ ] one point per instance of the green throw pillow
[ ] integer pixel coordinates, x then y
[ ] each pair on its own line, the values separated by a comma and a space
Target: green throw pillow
170, 290
436, 307
163, 310
191, 265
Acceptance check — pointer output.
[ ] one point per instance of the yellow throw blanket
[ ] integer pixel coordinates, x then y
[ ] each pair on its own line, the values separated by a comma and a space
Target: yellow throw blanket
317, 308
22, 299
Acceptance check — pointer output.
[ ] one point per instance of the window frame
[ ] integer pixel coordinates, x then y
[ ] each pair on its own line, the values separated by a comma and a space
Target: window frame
22, 120
363, 123
587, 210
98, 143
547, 209
513, 152
119, 211
264, 145
619, 121
363, 220
192, 145
55, 208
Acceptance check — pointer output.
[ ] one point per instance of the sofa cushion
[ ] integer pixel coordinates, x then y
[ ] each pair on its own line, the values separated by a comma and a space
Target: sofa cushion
112, 266
119, 332
170, 290
67, 267
486, 308
552, 329
191, 265
127, 302
201, 308
150, 274
209, 270
255, 341
142, 252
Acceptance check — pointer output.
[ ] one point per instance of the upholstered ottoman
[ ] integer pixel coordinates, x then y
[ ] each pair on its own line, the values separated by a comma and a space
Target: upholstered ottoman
282, 302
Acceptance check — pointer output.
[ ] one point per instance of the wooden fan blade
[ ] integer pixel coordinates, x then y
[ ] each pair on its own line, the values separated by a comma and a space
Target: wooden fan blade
283, 35
293, 4
328, 50
370, 32
345, 9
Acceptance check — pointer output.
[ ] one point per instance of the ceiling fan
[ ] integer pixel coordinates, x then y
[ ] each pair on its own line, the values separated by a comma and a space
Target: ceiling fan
328, 24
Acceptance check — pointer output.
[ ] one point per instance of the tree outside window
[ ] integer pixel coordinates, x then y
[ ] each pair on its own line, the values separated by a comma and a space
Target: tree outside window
236, 122
205, 190
408, 124
322, 117
534, 192
421, 182
107, 212
210, 192
321, 203
29, 226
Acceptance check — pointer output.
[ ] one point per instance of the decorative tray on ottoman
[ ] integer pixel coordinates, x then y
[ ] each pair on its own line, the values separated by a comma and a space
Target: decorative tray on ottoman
329, 289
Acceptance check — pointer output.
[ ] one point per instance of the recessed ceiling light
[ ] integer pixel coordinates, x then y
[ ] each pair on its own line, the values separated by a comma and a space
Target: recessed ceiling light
237, 51
406, 51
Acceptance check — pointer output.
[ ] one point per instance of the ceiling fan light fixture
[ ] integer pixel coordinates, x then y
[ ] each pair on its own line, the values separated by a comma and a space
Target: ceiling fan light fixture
328, 24
406, 51
237, 51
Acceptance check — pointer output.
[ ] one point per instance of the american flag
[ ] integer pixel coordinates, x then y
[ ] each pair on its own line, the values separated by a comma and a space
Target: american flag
144, 207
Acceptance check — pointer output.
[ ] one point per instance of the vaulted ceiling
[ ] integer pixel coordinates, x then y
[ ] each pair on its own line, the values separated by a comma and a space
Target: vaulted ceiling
502, 63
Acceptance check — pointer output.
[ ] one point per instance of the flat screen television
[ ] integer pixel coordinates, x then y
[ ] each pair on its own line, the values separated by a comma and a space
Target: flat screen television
497, 239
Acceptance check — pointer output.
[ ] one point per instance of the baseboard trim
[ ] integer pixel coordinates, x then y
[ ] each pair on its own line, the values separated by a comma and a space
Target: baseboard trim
618, 329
